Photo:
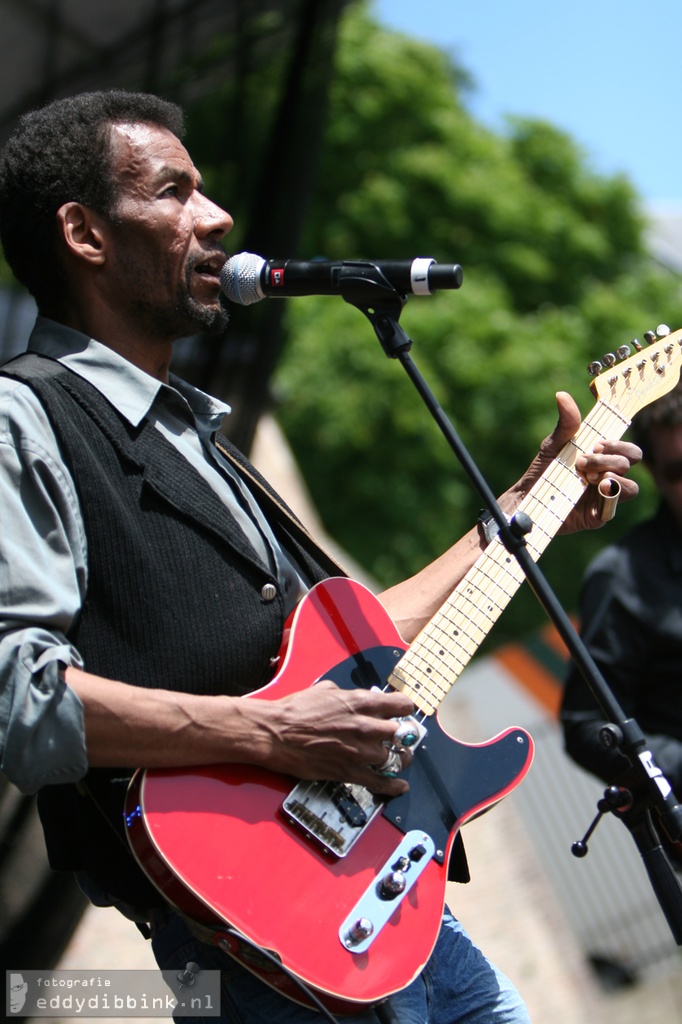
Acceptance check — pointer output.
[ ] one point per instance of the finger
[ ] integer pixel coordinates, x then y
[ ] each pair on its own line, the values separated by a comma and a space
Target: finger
392, 760
627, 490
621, 454
594, 466
382, 784
569, 419
594, 470
625, 448
384, 704
380, 704
378, 740
587, 513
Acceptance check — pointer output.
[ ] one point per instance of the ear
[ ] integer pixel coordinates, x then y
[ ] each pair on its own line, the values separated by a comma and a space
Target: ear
82, 231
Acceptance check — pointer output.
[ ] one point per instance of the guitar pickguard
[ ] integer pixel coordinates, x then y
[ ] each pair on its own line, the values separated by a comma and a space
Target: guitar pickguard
448, 780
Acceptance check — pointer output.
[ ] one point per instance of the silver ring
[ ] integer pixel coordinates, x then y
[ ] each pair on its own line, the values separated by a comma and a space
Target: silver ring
406, 735
391, 766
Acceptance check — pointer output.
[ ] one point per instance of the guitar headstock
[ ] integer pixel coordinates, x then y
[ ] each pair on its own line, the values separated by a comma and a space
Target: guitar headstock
640, 378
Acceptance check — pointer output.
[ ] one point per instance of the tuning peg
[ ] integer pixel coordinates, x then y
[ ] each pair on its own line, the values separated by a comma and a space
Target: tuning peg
595, 368
637, 345
662, 331
649, 337
623, 352
609, 359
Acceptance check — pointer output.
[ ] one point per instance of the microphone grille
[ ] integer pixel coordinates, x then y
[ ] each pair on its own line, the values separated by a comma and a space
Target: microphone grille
240, 278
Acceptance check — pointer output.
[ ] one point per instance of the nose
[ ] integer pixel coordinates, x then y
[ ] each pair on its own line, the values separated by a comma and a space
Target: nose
211, 220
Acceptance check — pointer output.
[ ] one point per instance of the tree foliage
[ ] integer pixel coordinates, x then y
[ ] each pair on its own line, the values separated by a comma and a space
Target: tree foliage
555, 275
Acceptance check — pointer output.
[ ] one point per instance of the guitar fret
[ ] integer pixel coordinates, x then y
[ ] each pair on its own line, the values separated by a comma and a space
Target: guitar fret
458, 629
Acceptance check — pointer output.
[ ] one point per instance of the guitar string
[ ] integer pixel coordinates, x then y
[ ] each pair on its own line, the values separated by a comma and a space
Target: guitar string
498, 577
548, 514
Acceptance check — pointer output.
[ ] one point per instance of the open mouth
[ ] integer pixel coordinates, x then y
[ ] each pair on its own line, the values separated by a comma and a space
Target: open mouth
210, 267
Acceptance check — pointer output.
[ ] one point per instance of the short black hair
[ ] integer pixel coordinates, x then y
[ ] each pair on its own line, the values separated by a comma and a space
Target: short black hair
666, 411
58, 154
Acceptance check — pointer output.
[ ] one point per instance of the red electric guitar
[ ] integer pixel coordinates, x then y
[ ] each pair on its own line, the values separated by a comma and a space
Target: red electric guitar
344, 890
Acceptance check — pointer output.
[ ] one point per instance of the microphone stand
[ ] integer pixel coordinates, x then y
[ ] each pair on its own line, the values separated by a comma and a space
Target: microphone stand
648, 793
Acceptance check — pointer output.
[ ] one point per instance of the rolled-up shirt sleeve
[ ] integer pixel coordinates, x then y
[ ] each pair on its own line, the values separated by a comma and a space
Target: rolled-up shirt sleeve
43, 576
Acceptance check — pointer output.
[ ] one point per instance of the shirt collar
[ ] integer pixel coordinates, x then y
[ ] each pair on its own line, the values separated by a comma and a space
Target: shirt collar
129, 389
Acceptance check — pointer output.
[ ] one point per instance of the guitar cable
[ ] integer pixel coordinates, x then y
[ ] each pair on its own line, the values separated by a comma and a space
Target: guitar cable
280, 966
384, 1013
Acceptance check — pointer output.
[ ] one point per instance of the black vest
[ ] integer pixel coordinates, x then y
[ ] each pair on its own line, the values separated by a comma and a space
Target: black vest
174, 597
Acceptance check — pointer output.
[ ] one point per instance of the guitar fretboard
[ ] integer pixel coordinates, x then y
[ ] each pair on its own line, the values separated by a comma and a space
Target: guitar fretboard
434, 661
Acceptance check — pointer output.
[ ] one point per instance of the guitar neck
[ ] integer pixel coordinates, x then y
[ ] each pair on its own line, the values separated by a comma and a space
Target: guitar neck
436, 658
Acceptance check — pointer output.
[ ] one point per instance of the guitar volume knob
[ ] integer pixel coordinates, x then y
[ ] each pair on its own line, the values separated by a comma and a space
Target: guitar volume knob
392, 884
359, 931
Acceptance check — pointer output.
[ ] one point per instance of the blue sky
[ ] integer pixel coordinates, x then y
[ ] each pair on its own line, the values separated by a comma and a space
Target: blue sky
609, 72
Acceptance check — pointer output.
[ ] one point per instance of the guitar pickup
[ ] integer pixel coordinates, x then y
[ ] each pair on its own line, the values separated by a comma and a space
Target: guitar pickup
350, 809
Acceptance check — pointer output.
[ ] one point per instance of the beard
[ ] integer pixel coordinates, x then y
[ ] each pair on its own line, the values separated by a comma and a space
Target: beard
186, 317
180, 316
201, 319
211, 320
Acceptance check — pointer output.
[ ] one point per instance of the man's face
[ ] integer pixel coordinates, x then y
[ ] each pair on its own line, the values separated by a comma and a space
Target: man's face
165, 258
17, 996
666, 465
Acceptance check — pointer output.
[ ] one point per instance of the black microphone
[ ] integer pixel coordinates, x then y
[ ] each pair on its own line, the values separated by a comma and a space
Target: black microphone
247, 278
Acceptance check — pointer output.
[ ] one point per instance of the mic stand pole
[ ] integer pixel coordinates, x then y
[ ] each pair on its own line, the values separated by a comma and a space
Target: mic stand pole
651, 792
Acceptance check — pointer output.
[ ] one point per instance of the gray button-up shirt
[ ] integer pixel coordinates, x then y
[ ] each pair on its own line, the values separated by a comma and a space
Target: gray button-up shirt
43, 548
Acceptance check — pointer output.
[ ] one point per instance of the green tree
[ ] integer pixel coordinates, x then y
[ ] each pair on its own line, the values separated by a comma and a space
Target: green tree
555, 276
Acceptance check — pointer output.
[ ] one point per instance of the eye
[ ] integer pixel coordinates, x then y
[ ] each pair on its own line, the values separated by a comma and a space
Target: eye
170, 191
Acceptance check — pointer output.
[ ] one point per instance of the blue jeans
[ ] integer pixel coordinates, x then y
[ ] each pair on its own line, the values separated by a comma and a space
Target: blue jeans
459, 985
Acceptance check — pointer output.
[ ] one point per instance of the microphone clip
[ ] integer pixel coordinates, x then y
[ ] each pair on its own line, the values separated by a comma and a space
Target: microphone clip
382, 304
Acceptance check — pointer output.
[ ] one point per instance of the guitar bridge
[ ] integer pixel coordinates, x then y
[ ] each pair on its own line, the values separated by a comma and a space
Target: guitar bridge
335, 814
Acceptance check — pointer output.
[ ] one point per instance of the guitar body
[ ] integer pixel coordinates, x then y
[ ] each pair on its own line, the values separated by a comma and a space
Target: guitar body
219, 845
